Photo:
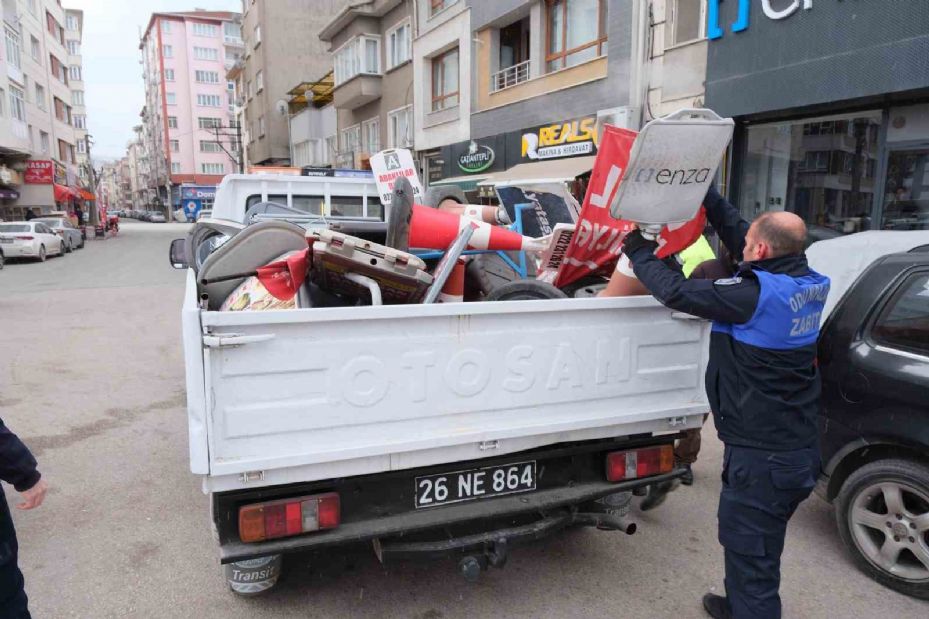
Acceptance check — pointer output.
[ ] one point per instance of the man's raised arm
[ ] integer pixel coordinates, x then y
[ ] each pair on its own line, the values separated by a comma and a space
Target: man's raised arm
727, 221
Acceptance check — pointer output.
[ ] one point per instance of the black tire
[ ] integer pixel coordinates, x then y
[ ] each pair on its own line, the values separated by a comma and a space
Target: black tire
860, 492
435, 195
487, 272
526, 290
68, 248
62, 249
585, 287
42, 254
2, 261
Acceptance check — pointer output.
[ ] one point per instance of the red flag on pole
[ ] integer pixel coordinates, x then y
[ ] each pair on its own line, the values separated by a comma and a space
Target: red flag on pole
283, 278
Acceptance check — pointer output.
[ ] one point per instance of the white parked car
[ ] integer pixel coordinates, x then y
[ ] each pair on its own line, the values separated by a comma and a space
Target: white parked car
63, 227
30, 239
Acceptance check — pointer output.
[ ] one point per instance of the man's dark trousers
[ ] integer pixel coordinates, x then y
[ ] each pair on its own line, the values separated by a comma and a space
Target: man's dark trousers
761, 490
12, 593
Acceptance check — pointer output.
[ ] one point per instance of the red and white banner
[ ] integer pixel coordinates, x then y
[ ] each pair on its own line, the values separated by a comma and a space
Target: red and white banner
598, 239
39, 172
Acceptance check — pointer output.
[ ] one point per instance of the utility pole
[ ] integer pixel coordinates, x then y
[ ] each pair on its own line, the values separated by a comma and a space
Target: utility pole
239, 157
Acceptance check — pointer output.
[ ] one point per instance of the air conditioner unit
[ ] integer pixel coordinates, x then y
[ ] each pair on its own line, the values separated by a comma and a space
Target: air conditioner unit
624, 117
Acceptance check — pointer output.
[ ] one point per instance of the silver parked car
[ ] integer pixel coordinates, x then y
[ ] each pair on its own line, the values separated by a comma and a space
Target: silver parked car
68, 232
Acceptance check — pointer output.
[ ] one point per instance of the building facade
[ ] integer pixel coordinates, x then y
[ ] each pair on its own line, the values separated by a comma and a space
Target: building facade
313, 119
831, 101
74, 34
189, 103
371, 51
281, 49
38, 142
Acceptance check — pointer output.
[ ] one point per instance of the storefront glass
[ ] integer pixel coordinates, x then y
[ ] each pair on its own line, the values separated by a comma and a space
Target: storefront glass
906, 191
823, 169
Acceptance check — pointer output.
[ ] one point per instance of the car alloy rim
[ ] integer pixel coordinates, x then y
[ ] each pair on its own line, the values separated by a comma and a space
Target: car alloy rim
889, 522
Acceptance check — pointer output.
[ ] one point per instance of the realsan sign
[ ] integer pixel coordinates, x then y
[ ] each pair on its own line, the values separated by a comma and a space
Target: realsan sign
773, 9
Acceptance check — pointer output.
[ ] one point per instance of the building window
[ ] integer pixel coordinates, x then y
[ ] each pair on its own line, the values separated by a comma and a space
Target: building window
65, 152
440, 5
77, 97
212, 168
169, 75
167, 51
821, 169
172, 122
13, 54
445, 80
32, 7
904, 323
400, 124
332, 148
232, 32
208, 123
175, 167
80, 121
351, 140
398, 45
71, 22
82, 146
205, 30
74, 48
248, 89
58, 69
165, 25
17, 103
371, 134
209, 100
257, 33
40, 96
62, 112
206, 53
208, 146
259, 81
685, 22
261, 126
175, 146
206, 77
906, 191
576, 32
35, 48
360, 55
2, 103
74, 73
171, 98
44, 142
54, 28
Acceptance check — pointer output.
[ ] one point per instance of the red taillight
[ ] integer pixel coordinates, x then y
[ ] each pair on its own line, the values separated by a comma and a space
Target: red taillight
24, 237
286, 517
636, 463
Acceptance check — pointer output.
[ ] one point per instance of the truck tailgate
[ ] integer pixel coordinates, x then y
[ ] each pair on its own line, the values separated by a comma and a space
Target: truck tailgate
300, 395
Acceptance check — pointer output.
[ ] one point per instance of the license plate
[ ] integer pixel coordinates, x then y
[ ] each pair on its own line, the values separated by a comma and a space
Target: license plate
482, 483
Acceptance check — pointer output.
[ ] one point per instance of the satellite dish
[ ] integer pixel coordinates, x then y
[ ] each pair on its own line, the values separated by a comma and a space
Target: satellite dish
281, 106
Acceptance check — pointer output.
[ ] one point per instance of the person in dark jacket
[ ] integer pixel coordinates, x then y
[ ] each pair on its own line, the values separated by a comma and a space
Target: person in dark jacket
30, 215
762, 384
17, 468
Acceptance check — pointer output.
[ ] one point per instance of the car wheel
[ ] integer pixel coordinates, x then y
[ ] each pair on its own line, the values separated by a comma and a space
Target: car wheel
42, 254
526, 290
882, 513
62, 249
68, 248
2, 260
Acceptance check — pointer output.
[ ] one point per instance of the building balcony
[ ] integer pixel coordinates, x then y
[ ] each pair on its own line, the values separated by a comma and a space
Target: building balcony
510, 76
359, 90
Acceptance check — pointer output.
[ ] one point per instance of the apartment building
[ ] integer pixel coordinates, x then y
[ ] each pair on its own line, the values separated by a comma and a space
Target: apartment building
675, 71
312, 121
373, 78
281, 49
38, 143
189, 104
74, 32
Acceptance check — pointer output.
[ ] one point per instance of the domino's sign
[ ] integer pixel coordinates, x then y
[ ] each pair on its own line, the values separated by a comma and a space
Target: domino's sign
772, 9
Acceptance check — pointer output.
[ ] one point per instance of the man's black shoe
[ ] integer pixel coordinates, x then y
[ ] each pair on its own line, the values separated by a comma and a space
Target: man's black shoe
717, 606
688, 477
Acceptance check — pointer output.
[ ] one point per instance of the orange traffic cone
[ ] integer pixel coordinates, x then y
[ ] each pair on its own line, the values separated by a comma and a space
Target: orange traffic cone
434, 229
453, 290
488, 214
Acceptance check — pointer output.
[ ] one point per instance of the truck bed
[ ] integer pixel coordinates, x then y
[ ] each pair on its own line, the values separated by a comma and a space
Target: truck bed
291, 396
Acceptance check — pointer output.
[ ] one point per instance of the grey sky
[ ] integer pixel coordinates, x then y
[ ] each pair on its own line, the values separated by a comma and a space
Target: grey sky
112, 73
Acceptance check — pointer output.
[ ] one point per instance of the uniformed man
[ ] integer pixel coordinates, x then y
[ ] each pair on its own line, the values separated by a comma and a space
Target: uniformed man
763, 388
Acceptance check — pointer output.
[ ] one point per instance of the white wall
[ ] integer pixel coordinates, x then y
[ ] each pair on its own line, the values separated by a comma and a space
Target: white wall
434, 129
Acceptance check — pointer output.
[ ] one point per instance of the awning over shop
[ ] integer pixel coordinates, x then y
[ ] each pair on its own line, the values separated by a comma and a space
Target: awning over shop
8, 194
542, 171
64, 193
86, 195
465, 183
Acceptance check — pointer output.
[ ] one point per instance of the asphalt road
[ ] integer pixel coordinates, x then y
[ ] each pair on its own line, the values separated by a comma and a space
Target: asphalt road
91, 377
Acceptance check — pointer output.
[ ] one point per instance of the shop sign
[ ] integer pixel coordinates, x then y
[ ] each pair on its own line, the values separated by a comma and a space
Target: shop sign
478, 158
61, 174
40, 172
570, 138
388, 166
203, 192
773, 9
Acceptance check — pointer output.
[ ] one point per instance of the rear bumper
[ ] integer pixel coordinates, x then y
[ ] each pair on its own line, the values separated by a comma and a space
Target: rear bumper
18, 251
550, 504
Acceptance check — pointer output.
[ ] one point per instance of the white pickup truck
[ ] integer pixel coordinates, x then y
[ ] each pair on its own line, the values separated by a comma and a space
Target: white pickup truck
431, 430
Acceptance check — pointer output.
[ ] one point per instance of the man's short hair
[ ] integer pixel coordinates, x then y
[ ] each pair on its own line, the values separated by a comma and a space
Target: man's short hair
783, 240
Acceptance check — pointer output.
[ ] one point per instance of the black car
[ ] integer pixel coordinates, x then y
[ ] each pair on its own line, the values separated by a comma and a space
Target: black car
874, 428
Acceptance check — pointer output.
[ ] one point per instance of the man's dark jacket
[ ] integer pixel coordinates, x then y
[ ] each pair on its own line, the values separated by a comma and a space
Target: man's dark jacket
17, 466
761, 396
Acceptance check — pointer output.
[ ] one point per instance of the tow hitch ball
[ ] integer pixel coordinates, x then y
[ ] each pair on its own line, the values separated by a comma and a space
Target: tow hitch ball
494, 555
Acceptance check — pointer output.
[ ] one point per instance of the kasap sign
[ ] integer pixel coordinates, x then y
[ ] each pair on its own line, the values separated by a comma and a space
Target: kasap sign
477, 159
564, 139
388, 166
773, 9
